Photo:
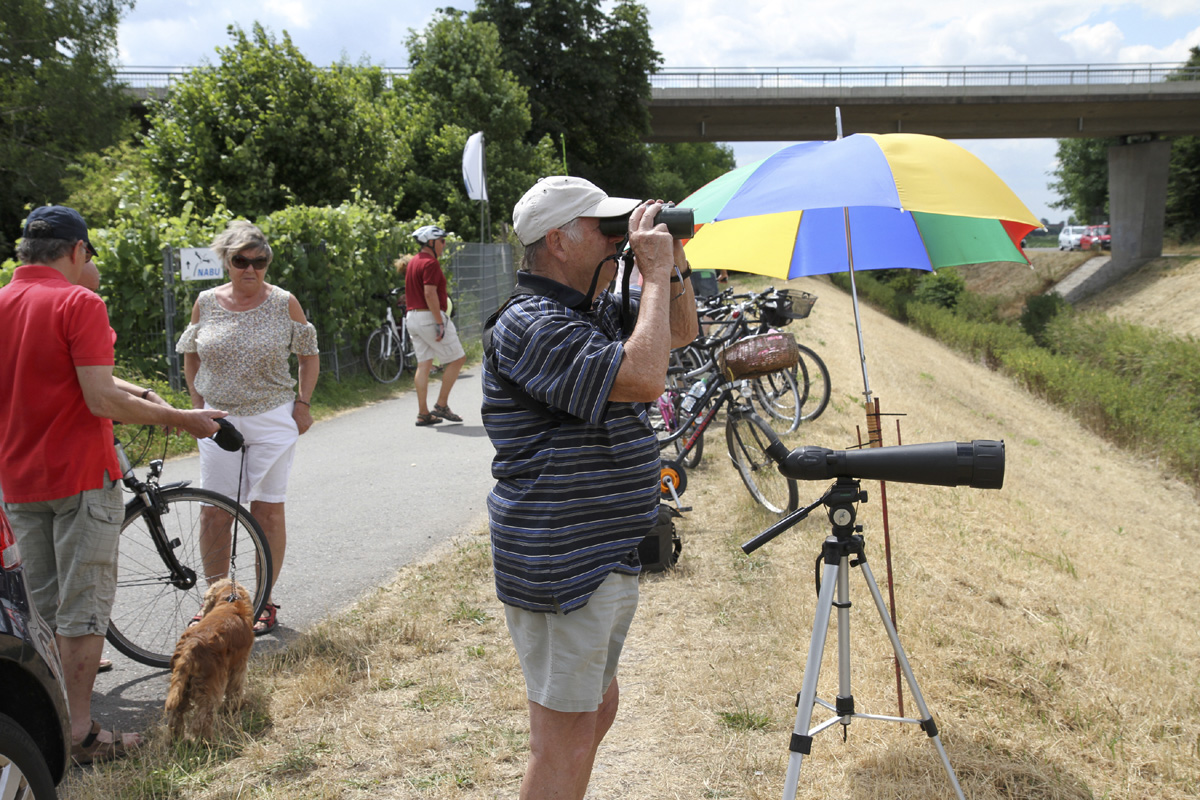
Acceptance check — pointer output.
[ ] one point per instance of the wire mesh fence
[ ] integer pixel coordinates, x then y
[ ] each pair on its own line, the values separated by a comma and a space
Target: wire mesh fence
481, 277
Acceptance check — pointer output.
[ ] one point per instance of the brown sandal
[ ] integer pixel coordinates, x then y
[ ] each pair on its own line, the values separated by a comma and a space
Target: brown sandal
427, 419
93, 751
445, 413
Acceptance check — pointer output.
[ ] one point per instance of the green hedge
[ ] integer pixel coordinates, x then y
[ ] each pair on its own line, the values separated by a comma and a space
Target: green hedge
1137, 387
984, 340
333, 259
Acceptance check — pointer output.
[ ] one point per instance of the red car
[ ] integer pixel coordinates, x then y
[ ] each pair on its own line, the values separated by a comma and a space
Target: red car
1095, 238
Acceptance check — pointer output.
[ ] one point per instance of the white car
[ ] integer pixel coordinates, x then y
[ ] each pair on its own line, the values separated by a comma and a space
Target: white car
1069, 238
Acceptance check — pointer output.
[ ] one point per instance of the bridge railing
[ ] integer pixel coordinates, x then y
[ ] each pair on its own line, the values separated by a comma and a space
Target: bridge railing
162, 77
157, 78
925, 77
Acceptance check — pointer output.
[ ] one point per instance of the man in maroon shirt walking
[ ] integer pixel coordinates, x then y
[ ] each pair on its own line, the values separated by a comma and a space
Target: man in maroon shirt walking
431, 328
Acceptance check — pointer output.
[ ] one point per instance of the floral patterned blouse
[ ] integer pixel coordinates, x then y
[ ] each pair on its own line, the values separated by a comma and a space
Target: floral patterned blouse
244, 354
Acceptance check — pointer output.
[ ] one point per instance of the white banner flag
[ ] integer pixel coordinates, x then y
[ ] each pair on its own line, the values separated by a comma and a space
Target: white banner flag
473, 169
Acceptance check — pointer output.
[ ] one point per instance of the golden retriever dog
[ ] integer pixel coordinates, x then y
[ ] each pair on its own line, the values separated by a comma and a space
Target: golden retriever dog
208, 669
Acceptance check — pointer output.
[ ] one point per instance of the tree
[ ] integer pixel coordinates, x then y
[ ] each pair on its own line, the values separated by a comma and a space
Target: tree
588, 79
677, 170
1082, 178
1183, 187
265, 129
58, 97
457, 86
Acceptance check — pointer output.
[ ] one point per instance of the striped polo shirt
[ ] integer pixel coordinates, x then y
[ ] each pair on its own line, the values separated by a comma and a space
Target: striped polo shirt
572, 499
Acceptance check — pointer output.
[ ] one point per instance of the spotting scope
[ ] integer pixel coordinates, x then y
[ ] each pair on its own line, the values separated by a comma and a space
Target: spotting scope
978, 464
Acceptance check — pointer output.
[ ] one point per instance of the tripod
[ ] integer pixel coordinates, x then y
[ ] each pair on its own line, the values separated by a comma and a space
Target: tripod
844, 541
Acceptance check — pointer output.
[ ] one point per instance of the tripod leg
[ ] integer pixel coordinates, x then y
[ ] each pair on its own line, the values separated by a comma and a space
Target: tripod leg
845, 697
801, 742
927, 723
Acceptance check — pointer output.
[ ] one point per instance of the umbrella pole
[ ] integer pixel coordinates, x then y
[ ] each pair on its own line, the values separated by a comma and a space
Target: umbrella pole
862, 353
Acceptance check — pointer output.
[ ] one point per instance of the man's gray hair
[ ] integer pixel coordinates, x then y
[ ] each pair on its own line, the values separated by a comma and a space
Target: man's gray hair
239, 235
533, 252
42, 250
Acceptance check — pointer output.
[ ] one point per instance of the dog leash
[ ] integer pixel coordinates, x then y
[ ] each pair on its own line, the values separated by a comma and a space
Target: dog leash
229, 438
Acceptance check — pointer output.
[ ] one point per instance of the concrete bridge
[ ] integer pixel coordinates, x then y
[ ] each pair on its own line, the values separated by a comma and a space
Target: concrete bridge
1143, 104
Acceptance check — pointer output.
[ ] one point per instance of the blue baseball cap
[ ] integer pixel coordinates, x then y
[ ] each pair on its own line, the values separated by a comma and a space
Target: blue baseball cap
65, 223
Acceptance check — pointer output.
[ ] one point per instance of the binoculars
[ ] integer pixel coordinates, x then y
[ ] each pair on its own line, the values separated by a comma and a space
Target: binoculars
680, 223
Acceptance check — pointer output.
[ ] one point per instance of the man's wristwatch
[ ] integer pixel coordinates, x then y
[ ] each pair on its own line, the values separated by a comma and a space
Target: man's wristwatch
679, 277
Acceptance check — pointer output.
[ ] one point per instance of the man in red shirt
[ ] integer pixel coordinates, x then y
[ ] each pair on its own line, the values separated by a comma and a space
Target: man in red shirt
429, 325
58, 467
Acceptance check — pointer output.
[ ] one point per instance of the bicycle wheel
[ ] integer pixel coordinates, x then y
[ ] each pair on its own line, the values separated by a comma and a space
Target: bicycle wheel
155, 603
812, 383
383, 355
748, 438
779, 396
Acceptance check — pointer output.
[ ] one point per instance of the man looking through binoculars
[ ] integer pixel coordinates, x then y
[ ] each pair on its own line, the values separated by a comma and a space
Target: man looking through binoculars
577, 465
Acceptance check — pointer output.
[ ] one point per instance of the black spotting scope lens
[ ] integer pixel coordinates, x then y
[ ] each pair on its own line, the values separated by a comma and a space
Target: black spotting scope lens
680, 222
978, 464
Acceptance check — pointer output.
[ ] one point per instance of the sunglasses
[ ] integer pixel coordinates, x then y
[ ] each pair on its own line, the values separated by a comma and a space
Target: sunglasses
241, 262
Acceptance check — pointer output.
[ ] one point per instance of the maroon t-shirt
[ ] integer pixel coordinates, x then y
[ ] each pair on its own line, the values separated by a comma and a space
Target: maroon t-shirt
424, 270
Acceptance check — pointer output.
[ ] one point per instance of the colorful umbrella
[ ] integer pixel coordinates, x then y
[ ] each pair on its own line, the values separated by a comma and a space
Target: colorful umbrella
867, 201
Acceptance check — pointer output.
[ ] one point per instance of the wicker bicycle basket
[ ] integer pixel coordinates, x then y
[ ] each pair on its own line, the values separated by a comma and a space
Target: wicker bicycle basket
758, 355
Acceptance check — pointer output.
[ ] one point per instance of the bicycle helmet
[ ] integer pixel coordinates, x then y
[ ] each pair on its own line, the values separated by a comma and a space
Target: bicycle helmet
428, 233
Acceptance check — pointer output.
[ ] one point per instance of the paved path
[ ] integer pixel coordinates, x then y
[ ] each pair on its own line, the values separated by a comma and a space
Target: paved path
369, 493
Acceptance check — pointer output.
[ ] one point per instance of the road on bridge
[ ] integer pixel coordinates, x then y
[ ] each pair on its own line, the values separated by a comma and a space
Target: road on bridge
369, 493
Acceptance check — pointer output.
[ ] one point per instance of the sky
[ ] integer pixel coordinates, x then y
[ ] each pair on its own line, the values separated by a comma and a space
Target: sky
719, 33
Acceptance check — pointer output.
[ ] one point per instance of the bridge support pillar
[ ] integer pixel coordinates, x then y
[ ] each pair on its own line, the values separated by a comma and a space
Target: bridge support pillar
1137, 201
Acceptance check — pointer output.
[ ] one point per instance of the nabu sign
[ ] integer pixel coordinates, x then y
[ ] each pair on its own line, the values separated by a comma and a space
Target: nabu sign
199, 264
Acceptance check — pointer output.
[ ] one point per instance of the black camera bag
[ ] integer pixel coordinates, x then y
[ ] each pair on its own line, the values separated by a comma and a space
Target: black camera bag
660, 549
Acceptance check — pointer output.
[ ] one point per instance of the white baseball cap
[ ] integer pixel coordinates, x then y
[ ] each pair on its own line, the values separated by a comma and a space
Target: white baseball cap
553, 202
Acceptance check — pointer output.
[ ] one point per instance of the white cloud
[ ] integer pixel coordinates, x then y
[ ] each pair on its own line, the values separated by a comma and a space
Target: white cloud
1178, 50
295, 13
1095, 42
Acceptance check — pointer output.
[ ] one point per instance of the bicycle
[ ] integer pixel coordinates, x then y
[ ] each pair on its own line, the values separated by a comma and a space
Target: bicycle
165, 564
747, 437
777, 392
389, 348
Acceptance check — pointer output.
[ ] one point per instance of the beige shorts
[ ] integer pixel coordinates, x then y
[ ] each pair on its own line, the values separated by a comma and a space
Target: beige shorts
423, 331
569, 660
69, 547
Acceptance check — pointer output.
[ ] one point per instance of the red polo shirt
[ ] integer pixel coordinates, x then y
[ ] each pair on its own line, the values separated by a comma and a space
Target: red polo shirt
424, 270
51, 445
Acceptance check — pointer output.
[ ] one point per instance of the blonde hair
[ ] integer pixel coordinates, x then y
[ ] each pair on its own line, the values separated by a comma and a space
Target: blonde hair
401, 263
237, 236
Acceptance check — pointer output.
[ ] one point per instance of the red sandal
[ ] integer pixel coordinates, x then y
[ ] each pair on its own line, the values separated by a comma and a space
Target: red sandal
267, 620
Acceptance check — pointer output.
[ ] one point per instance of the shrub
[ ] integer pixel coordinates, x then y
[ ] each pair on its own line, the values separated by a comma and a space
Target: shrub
941, 288
883, 296
1038, 312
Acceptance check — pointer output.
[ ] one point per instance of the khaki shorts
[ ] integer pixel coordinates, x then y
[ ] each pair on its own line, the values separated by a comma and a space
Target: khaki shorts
69, 547
569, 660
423, 331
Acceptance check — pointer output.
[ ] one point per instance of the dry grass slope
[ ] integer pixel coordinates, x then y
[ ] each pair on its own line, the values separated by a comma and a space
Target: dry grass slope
1163, 294
1052, 626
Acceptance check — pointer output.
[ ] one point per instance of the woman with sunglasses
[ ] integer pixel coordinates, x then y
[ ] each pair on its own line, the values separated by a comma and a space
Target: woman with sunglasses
236, 352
